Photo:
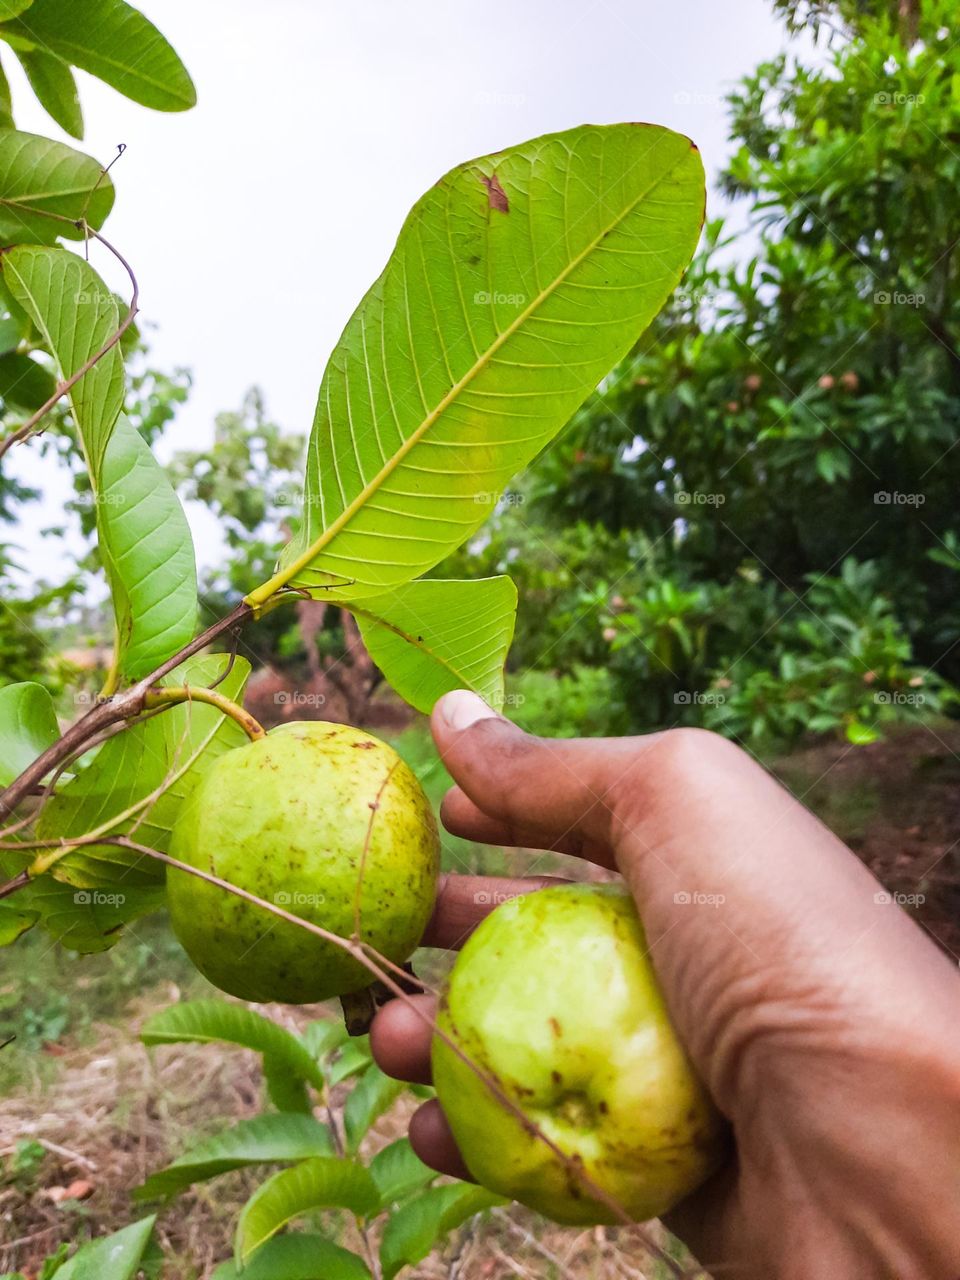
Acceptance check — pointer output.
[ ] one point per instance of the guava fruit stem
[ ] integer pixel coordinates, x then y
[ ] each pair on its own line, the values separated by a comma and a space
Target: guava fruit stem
190, 693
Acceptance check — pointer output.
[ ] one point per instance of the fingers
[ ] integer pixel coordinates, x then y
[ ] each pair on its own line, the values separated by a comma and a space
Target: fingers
462, 817
433, 1142
400, 1038
463, 901
539, 792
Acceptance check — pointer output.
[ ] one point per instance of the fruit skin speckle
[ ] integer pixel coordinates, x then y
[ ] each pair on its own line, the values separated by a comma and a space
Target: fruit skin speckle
554, 997
298, 818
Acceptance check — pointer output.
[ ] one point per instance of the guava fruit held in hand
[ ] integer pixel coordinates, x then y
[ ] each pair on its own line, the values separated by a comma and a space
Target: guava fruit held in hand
328, 823
554, 998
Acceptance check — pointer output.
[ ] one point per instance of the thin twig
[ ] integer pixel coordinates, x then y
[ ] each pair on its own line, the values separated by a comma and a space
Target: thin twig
198, 693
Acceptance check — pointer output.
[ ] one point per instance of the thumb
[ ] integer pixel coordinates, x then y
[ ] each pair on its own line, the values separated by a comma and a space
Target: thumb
538, 792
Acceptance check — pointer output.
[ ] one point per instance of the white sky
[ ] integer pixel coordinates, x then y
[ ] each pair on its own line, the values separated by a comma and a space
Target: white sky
256, 221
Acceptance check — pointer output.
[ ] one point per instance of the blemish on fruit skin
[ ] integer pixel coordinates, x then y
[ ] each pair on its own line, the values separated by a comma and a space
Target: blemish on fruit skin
555, 1026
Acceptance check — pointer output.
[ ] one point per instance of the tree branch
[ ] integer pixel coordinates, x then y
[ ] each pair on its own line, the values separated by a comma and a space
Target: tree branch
121, 706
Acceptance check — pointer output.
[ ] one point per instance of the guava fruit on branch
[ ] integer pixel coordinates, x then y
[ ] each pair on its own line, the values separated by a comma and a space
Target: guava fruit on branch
324, 821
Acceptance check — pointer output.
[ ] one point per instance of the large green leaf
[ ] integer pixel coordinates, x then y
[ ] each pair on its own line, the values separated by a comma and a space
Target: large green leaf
146, 773
398, 1171
517, 282
207, 1021
262, 1140
297, 1257
432, 636
39, 176
370, 1097
144, 536
76, 314
114, 1257
416, 1227
325, 1183
28, 725
24, 383
56, 89
114, 42
148, 553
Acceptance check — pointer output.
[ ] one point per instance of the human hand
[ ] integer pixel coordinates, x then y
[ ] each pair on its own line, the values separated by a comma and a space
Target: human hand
822, 1020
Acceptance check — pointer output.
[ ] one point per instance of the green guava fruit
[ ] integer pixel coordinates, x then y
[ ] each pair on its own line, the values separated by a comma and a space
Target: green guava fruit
324, 821
553, 997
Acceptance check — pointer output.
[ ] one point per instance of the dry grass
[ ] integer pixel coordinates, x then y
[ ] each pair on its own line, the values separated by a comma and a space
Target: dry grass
114, 1112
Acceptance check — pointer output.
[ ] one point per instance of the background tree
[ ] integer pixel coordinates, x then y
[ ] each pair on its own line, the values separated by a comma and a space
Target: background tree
780, 446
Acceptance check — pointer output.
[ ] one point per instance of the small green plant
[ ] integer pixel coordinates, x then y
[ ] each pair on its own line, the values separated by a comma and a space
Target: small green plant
387, 1204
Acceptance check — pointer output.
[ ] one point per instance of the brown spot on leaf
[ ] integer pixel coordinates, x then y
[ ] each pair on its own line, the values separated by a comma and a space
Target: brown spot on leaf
495, 193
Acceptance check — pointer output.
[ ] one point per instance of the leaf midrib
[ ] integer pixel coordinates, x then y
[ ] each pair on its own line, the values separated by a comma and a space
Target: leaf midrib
281, 578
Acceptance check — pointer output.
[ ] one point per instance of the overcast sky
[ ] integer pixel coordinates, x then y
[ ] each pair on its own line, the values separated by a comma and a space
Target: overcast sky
256, 221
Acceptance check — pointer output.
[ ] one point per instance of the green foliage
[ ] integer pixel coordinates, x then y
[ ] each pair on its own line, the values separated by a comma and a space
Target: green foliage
324, 1170
433, 636
522, 253
112, 41
28, 725
794, 405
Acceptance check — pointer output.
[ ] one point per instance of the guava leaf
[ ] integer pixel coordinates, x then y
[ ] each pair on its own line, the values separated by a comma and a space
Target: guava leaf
354, 1057
114, 1257
115, 43
39, 176
139, 779
297, 1257
88, 920
14, 922
6, 102
414, 1229
56, 88
372, 1095
13, 8
76, 314
24, 382
10, 335
432, 636
206, 1021
148, 554
517, 282
28, 725
398, 1171
263, 1139
325, 1183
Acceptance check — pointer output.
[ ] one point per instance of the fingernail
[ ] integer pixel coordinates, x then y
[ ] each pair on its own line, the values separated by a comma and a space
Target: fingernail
461, 708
